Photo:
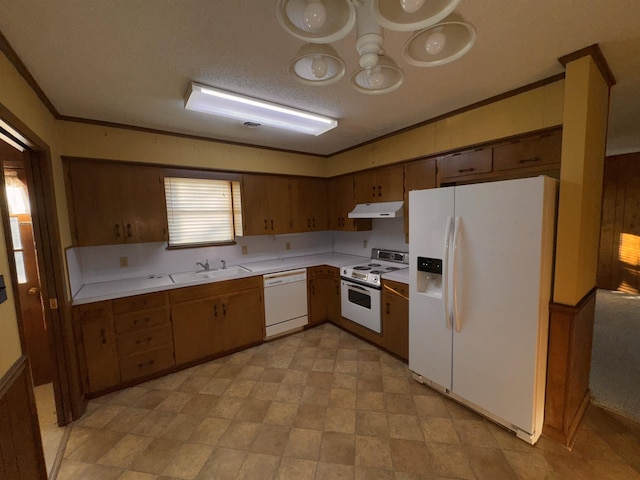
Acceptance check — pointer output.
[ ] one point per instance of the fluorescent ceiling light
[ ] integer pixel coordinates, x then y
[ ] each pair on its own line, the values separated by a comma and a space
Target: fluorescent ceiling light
202, 98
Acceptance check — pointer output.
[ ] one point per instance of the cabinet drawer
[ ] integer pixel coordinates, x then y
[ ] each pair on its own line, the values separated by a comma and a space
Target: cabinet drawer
333, 272
139, 302
396, 288
466, 163
139, 365
316, 272
93, 311
528, 153
144, 319
213, 289
142, 340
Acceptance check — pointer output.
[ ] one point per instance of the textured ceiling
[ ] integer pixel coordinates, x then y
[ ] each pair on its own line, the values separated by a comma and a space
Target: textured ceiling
130, 62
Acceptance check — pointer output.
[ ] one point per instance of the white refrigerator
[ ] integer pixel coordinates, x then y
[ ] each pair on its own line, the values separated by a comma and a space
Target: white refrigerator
481, 261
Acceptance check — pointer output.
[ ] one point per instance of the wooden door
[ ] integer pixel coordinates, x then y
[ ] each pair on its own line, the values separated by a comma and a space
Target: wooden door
318, 292
194, 329
364, 187
341, 202
144, 213
279, 199
255, 205
395, 318
95, 197
242, 319
390, 184
101, 357
308, 204
333, 298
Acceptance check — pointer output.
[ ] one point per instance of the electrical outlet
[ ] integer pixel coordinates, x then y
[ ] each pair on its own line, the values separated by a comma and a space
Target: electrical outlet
124, 262
244, 249
364, 244
287, 246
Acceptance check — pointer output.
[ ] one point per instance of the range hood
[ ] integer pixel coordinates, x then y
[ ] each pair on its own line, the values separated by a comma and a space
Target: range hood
377, 210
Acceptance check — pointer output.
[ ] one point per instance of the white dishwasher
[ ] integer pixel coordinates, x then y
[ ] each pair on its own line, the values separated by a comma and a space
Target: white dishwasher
285, 301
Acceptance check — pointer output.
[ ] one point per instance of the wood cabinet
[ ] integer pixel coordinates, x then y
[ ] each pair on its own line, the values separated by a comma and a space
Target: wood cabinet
341, 202
111, 203
323, 294
463, 164
309, 204
220, 317
395, 318
124, 339
419, 175
379, 185
531, 152
266, 205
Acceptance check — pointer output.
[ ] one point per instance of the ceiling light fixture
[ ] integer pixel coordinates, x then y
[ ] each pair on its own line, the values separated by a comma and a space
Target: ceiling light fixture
440, 37
214, 101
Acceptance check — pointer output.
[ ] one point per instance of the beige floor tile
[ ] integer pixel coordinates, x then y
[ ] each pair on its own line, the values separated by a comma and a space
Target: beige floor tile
338, 447
304, 444
400, 403
264, 390
239, 435
489, 464
626, 445
430, 406
200, 405
395, 384
168, 382
124, 452
223, 464
529, 466
258, 466
439, 430
156, 456
590, 444
330, 471
129, 475
411, 457
314, 396
154, 423
253, 410
273, 375
474, 433
192, 384
607, 470
404, 426
326, 350
226, 407
296, 469
310, 416
345, 380
127, 420
181, 427
101, 416
340, 420
251, 372
289, 393
100, 472
129, 396
279, 362
89, 444
271, 439
209, 431
372, 423
216, 386
370, 400
342, 398
450, 461
72, 469
366, 368
281, 413
373, 452
240, 388
346, 353
347, 366
320, 380
367, 473
295, 377
188, 461
370, 383
228, 371
323, 365
368, 355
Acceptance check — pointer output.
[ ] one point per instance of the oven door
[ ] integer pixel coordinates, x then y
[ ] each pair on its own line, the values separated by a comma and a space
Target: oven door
361, 304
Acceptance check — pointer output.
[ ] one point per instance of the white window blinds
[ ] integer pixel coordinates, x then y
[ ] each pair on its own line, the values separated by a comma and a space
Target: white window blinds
199, 211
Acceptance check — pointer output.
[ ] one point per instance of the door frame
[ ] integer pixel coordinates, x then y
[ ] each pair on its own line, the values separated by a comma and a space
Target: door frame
69, 398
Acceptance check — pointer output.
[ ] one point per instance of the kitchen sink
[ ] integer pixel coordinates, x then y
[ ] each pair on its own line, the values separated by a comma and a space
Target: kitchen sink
213, 274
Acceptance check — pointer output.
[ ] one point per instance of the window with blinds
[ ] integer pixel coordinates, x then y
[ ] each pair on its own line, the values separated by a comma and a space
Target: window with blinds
202, 211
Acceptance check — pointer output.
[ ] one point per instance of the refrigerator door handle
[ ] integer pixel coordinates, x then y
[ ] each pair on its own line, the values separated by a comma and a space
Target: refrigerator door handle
445, 274
456, 247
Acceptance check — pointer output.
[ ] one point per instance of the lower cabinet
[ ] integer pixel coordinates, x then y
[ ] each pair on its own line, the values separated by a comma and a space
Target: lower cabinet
323, 294
216, 318
395, 318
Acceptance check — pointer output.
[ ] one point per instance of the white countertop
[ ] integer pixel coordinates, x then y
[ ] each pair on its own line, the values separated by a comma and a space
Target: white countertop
401, 276
95, 292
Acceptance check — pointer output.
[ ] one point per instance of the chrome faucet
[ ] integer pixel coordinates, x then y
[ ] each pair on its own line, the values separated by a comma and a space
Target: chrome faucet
204, 265
224, 264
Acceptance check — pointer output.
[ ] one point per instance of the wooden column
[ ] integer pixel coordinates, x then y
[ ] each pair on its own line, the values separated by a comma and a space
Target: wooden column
585, 114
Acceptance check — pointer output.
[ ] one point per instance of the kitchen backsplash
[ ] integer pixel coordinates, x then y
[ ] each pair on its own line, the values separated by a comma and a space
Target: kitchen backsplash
102, 263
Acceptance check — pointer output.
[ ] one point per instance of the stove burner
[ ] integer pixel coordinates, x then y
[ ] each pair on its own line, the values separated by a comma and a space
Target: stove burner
376, 272
362, 267
374, 265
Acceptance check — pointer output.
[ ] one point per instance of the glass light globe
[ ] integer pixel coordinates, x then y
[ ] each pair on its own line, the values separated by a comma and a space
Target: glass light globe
435, 43
411, 6
319, 67
375, 77
314, 15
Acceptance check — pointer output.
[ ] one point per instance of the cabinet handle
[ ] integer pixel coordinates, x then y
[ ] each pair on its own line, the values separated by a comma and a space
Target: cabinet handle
266, 225
313, 222
271, 224
374, 190
388, 308
117, 230
528, 160
129, 234
308, 223
463, 170
224, 309
146, 340
215, 311
103, 334
379, 190
313, 289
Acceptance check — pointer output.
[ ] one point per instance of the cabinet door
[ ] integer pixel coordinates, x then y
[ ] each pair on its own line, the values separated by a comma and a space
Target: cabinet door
528, 153
144, 211
95, 203
279, 198
255, 205
242, 321
308, 204
194, 329
318, 296
466, 163
389, 184
100, 354
365, 187
395, 319
419, 175
333, 298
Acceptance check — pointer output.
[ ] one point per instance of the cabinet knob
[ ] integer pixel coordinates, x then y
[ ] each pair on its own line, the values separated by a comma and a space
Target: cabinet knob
266, 225
379, 190
388, 308
272, 224
374, 191
215, 311
117, 230
129, 233
103, 334
224, 309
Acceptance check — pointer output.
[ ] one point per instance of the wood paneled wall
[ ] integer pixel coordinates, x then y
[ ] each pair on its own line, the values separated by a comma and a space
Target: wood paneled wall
21, 456
619, 255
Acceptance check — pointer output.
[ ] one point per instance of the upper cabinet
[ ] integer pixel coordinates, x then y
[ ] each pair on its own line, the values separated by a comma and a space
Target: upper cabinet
266, 205
112, 203
309, 204
418, 175
379, 185
341, 202
531, 152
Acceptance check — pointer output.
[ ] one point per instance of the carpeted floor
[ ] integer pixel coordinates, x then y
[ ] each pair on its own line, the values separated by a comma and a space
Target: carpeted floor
615, 360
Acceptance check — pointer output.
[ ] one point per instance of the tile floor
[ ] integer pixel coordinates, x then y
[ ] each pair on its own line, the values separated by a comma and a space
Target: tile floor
321, 404
52, 435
